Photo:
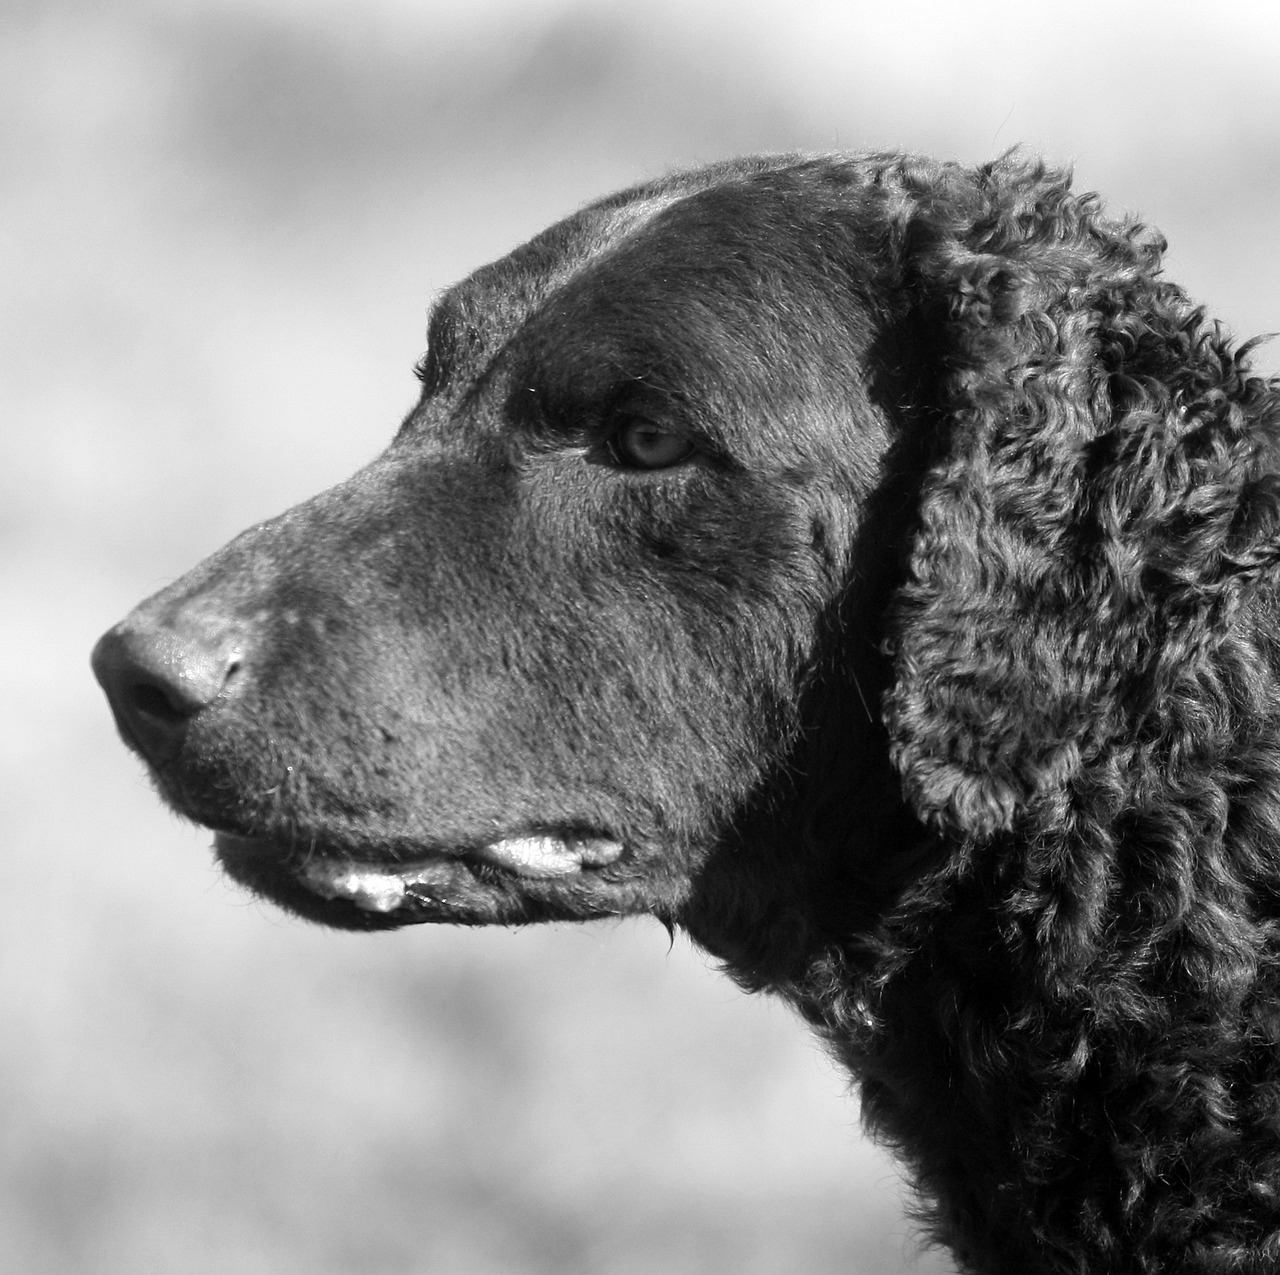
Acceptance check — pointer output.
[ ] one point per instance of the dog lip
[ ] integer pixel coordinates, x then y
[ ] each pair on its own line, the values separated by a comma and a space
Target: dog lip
385, 887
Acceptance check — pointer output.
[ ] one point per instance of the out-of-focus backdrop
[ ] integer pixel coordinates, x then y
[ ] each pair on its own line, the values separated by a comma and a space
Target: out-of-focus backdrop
221, 223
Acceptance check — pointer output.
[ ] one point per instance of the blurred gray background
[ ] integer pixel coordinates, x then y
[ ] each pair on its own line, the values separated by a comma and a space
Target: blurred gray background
221, 224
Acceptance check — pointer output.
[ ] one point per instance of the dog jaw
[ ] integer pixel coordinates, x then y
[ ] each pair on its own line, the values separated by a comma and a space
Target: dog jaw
379, 889
386, 887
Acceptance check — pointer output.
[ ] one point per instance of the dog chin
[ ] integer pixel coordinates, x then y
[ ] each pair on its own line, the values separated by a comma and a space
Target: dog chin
474, 885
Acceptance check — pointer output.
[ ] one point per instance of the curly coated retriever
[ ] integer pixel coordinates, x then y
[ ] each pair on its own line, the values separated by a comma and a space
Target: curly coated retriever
867, 564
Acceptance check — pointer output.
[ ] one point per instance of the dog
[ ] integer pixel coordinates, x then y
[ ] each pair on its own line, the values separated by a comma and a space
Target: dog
868, 565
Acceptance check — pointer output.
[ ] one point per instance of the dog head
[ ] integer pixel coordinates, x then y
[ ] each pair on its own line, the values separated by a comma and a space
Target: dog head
611, 611
536, 659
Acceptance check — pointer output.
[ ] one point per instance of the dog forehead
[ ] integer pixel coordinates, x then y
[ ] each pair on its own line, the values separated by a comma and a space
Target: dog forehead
746, 292
475, 318
771, 234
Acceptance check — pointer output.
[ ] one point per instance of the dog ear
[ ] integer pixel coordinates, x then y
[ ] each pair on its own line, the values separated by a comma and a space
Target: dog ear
1095, 506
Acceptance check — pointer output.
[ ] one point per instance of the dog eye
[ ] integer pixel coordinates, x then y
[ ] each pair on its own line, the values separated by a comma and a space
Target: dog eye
639, 444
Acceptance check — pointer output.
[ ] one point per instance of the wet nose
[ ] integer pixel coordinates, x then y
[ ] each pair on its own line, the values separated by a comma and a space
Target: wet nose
158, 677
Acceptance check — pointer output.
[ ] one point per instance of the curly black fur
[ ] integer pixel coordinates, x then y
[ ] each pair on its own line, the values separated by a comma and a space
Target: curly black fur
935, 688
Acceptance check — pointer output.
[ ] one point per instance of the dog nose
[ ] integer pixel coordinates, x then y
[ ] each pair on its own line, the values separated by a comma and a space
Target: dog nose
158, 678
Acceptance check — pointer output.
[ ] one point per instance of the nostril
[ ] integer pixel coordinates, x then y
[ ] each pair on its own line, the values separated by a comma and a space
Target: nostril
149, 700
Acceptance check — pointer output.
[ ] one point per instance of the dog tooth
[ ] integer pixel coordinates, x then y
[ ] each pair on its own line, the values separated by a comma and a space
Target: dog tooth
595, 852
544, 855
367, 888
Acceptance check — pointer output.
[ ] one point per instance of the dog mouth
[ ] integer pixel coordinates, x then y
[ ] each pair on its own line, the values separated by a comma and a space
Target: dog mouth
387, 886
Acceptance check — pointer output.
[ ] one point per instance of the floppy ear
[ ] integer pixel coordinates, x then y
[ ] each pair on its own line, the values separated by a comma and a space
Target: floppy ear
1095, 507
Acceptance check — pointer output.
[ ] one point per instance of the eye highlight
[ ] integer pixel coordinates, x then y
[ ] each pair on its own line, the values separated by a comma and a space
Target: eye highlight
640, 444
